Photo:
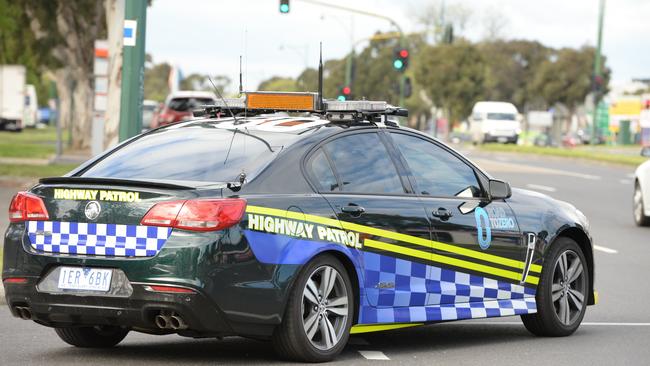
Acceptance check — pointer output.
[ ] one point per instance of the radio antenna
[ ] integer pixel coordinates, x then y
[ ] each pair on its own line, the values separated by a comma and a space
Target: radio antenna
320, 78
222, 99
241, 88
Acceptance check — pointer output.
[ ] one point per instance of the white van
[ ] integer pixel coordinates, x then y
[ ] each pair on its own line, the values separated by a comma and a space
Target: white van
30, 114
495, 122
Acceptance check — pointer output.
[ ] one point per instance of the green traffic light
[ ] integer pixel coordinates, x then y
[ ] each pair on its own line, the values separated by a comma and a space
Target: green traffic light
398, 64
341, 98
284, 8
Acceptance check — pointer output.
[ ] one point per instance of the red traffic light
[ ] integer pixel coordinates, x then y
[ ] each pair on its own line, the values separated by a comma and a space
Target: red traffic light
346, 90
403, 53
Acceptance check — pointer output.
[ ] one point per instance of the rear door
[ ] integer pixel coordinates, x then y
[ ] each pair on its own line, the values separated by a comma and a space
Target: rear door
478, 250
359, 178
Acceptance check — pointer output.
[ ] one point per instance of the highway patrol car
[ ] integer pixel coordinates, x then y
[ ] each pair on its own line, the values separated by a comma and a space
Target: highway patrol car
301, 228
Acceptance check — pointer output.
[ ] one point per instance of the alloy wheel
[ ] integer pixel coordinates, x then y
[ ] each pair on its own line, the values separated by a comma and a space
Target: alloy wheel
325, 307
569, 287
638, 204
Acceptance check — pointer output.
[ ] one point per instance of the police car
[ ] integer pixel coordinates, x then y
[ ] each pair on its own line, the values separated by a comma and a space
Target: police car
300, 228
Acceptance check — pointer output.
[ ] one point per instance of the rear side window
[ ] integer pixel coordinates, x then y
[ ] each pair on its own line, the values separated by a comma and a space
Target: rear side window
186, 104
187, 154
321, 172
437, 172
363, 164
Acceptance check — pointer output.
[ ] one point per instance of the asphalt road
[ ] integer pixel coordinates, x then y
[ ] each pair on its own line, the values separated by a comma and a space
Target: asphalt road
615, 332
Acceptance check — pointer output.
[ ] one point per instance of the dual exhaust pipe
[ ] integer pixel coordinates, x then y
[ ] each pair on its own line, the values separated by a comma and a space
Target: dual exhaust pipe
170, 320
24, 312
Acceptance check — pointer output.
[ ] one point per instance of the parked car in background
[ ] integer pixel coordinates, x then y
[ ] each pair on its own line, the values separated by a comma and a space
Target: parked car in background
179, 105
149, 109
12, 97
495, 122
642, 191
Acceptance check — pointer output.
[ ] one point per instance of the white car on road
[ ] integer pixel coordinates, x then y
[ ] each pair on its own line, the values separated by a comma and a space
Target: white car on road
642, 191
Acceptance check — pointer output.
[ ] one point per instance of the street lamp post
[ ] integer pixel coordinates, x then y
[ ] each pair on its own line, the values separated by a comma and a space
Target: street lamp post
597, 73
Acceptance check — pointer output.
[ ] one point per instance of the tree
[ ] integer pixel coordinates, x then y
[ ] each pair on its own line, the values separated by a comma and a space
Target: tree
202, 82
453, 76
279, 83
64, 34
566, 77
156, 86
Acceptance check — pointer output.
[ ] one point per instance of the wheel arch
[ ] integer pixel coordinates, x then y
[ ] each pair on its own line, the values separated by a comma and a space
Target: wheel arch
351, 269
584, 242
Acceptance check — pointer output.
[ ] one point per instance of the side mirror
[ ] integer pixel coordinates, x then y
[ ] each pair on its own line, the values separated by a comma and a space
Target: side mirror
499, 189
645, 151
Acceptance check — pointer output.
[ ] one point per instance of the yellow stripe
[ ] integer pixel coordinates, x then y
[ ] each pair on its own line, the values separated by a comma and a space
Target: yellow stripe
399, 237
448, 260
365, 328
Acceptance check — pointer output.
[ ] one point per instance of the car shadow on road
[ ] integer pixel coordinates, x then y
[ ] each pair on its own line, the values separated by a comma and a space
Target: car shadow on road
236, 350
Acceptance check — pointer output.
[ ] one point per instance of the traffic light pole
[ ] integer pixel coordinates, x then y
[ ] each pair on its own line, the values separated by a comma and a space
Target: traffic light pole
135, 25
597, 73
402, 41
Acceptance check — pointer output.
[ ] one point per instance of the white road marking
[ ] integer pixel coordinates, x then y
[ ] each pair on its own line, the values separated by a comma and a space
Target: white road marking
374, 355
499, 166
625, 181
605, 249
539, 187
631, 176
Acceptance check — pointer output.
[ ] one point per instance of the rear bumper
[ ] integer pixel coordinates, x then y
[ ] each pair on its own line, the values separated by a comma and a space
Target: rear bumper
136, 311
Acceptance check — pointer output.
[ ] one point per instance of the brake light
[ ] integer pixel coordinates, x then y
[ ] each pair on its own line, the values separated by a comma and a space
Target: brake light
26, 206
170, 289
196, 215
16, 280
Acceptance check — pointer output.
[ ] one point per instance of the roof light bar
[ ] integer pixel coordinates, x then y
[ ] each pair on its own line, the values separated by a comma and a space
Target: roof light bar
282, 101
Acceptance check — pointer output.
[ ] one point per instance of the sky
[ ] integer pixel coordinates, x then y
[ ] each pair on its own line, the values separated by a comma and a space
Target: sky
208, 36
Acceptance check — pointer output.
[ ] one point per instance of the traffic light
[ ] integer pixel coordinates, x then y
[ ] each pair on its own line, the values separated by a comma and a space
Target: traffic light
345, 93
400, 59
284, 6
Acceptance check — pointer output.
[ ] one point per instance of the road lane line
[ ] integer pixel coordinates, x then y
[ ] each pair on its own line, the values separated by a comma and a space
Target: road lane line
631, 176
374, 355
499, 166
539, 187
605, 249
625, 181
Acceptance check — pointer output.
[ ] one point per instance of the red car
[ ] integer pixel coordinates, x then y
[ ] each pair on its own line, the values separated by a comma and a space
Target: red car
179, 106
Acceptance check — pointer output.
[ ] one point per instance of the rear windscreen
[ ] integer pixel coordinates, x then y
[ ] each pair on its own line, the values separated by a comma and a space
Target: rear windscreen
186, 104
187, 154
501, 116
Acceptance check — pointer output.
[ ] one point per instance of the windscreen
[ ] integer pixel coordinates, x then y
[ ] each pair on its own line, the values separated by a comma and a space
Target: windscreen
186, 104
501, 116
187, 154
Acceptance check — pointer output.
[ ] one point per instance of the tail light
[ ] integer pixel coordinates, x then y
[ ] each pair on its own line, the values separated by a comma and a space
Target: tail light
169, 289
26, 206
196, 215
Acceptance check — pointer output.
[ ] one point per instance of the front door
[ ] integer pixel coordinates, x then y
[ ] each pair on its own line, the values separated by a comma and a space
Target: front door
478, 250
370, 197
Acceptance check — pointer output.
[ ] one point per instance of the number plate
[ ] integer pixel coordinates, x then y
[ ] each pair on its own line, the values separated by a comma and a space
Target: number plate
502, 139
91, 279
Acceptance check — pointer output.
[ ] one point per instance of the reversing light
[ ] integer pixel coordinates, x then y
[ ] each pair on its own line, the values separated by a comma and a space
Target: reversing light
26, 206
196, 214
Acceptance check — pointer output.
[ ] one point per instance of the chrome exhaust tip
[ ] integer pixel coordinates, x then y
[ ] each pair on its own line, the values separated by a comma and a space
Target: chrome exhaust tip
162, 321
177, 323
24, 312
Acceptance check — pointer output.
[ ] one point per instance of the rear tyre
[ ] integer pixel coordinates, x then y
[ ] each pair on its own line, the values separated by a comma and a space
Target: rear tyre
639, 210
562, 293
92, 337
317, 321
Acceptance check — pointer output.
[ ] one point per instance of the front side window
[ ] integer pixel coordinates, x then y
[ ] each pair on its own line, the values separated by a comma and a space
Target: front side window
363, 164
321, 171
437, 172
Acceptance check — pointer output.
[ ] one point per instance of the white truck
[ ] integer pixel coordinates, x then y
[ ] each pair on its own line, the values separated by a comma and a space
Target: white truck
495, 122
12, 97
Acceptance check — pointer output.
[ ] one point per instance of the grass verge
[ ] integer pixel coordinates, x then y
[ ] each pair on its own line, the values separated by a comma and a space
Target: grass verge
36, 171
30, 143
578, 153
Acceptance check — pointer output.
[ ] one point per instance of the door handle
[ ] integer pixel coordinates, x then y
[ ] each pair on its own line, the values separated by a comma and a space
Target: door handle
442, 213
353, 209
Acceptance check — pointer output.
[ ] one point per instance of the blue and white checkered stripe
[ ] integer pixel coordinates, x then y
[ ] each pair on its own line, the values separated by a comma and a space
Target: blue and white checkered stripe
97, 239
427, 293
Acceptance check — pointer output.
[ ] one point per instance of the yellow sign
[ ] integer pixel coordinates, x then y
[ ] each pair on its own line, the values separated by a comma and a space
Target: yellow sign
95, 195
281, 101
626, 107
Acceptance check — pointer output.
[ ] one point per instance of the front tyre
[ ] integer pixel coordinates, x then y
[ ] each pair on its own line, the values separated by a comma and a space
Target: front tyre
92, 337
639, 211
562, 293
317, 321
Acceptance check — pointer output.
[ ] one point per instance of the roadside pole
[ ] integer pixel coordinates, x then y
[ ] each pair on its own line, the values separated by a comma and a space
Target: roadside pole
135, 25
597, 74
